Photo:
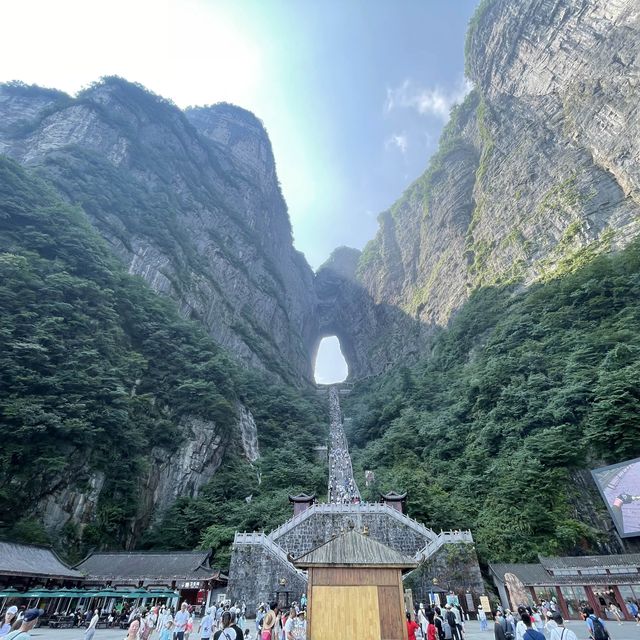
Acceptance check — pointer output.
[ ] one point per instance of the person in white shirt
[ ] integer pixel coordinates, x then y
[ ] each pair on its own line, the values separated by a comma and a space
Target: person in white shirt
181, 620
560, 632
91, 629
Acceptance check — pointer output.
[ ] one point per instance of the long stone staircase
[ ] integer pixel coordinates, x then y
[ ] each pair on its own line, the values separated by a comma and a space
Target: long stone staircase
271, 553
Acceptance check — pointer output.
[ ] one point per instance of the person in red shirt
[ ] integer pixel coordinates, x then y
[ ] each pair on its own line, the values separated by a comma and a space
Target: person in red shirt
432, 632
412, 627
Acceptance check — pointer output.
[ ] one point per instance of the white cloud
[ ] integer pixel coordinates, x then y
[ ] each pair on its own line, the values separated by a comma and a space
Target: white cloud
398, 140
434, 101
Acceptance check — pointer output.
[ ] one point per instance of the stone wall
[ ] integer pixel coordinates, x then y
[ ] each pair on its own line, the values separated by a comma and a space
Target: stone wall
455, 567
320, 527
254, 575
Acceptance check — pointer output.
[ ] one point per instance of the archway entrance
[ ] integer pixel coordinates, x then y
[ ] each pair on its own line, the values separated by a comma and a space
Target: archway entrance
330, 366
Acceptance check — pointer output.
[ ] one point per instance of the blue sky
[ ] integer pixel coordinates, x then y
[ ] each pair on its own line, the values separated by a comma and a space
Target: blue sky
353, 93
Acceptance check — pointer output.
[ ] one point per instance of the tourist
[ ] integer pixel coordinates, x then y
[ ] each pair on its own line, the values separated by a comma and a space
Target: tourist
29, 620
270, 622
303, 600
412, 627
530, 633
521, 627
91, 629
167, 630
300, 629
615, 612
437, 620
452, 621
134, 627
503, 629
260, 614
189, 628
560, 632
289, 624
180, 621
597, 627
422, 620
9, 619
206, 626
226, 633
537, 620
218, 616
235, 626
432, 633
482, 618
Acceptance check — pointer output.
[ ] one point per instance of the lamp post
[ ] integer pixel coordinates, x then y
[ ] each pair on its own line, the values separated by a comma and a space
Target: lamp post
434, 583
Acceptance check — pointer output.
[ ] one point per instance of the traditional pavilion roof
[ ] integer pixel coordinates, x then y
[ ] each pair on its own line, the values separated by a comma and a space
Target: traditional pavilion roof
394, 496
302, 497
149, 565
33, 560
353, 548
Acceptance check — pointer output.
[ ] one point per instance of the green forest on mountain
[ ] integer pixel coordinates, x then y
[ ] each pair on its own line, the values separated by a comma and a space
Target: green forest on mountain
96, 371
524, 389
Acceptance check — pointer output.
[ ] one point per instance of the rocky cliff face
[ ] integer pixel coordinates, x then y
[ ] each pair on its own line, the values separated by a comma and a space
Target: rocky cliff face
537, 170
190, 202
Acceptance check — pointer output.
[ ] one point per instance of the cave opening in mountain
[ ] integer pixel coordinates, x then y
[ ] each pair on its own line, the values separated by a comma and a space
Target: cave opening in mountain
330, 365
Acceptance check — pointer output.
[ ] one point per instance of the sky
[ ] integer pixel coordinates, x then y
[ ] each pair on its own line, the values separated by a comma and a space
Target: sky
353, 93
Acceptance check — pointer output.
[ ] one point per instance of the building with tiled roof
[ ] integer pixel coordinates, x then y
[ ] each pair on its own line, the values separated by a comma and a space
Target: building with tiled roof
573, 582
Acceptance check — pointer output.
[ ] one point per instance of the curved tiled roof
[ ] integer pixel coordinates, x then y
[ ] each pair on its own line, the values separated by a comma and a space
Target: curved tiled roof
33, 560
139, 565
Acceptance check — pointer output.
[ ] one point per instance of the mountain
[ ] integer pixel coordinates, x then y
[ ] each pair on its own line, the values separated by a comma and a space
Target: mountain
189, 201
158, 328
113, 406
537, 170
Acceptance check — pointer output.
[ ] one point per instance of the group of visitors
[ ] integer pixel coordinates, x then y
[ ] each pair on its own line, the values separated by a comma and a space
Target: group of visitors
274, 623
432, 623
18, 623
529, 624
342, 486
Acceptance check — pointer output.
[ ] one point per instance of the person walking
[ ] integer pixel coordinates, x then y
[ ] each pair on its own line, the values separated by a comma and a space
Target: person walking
226, 633
91, 629
597, 627
412, 627
270, 622
502, 629
482, 618
530, 633
615, 612
422, 620
181, 620
452, 621
29, 620
437, 620
560, 632
206, 626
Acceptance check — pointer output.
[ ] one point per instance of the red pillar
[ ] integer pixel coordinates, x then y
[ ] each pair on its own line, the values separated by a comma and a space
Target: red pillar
562, 604
623, 604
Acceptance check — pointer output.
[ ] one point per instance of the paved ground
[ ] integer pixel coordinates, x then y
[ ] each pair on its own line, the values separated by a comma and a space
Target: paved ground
626, 631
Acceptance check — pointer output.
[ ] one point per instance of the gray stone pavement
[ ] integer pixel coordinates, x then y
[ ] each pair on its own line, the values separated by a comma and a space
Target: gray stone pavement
625, 631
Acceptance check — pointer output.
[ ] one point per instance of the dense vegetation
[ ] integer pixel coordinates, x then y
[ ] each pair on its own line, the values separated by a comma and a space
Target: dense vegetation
520, 392
96, 370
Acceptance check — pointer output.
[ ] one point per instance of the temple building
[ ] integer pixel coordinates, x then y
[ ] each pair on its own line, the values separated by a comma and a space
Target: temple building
572, 581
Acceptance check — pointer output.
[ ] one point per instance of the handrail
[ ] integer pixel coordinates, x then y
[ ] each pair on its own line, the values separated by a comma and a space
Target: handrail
444, 537
261, 539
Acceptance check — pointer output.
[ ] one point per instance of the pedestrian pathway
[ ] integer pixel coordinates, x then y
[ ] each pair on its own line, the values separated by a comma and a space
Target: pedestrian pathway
342, 485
